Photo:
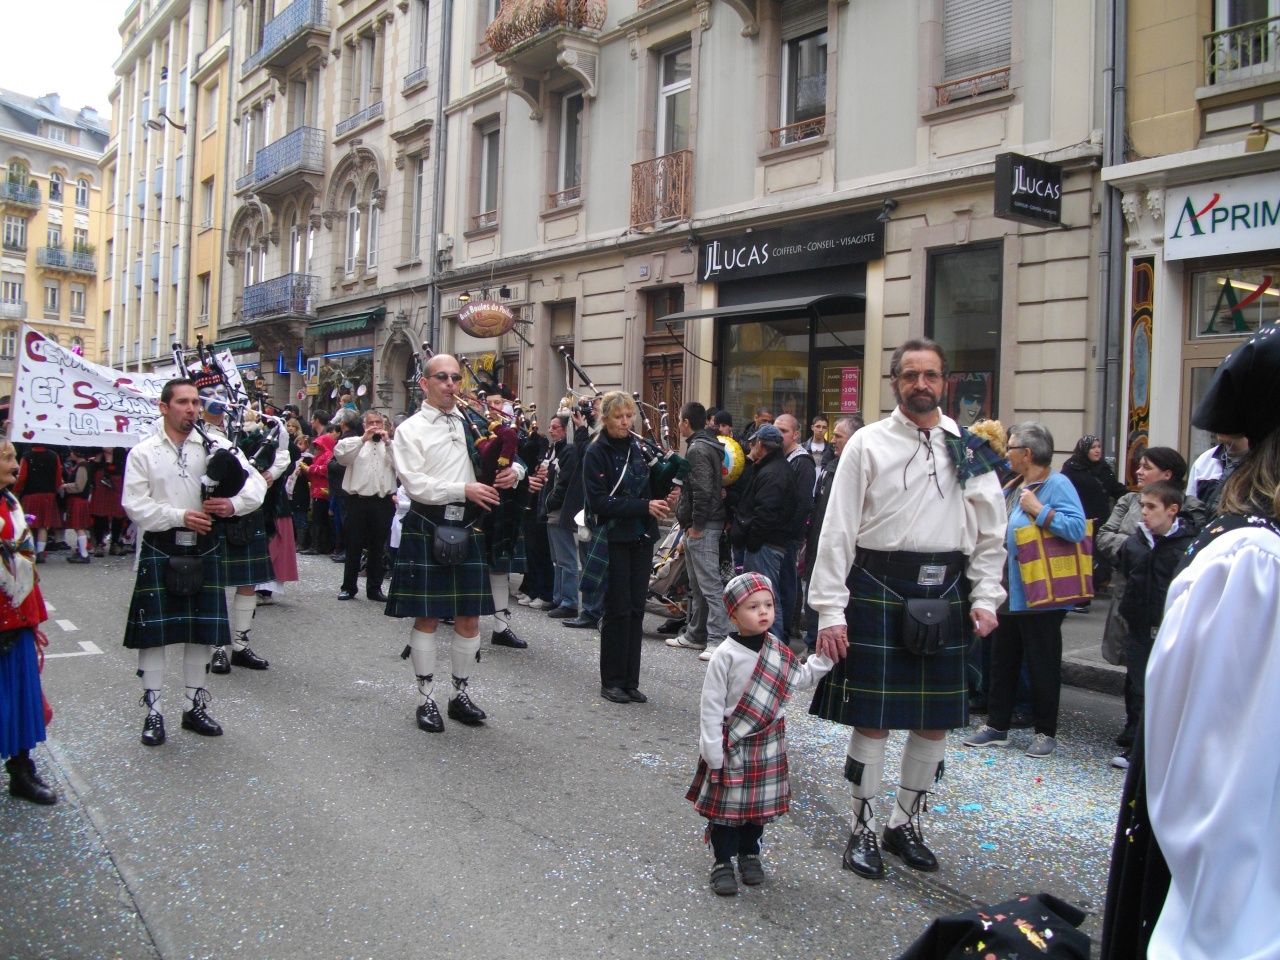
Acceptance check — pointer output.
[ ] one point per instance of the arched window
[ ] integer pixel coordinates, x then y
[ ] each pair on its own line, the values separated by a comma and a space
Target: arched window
295, 245
371, 241
311, 244
353, 231
260, 242
55, 187
250, 262
77, 342
82, 193
18, 172
9, 342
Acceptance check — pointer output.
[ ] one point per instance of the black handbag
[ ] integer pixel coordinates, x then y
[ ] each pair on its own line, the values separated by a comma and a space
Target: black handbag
239, 531
451, 544
926, 625
184, 576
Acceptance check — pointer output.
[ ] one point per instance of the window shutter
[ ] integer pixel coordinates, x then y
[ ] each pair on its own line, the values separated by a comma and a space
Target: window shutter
975, 37
803, 17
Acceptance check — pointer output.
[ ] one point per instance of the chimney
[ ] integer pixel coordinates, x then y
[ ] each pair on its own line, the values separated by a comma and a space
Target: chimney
51, 102
89, 114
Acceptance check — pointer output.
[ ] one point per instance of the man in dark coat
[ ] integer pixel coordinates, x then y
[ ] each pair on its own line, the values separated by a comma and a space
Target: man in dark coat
764, 522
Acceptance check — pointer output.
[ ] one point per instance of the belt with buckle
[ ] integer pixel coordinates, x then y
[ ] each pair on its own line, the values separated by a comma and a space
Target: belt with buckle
179, 538
925, 569
450, 514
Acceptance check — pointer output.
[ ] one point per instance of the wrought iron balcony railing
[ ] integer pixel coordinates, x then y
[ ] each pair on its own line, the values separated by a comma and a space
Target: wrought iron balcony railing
13, 309
795, 132
294, 293
485, 221
565, 197
521, 20
1237, 53
302, 150
972, 86
360, 118
296, 19
416, 77
61, 259
662, 189
20, 193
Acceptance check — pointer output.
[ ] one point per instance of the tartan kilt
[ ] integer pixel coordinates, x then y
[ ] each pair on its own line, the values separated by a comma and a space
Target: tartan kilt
421, 587
879, 684
78, 517
157, 619
44, 507
763, 790
249, 565
105, 501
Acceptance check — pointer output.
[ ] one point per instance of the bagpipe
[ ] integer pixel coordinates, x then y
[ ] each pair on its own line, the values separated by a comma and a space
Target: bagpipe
667, 469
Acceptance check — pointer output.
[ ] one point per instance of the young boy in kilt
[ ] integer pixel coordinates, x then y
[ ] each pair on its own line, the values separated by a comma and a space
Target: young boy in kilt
742, 782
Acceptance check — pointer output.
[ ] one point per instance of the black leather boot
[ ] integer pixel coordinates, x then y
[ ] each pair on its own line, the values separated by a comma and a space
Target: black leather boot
25, 783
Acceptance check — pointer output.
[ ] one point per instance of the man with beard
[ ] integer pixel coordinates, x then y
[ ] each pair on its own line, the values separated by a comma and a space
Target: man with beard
915, 514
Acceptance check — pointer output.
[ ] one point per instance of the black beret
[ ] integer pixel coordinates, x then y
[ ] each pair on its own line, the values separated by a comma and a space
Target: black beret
1244, 395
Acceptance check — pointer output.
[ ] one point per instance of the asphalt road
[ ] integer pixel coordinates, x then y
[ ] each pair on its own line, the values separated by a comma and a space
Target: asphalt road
325, 825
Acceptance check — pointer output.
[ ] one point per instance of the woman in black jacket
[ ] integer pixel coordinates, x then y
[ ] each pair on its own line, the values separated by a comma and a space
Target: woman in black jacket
622, 511
1097, 486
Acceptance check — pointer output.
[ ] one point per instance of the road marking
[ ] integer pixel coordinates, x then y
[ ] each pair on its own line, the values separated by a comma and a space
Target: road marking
87, 649
51, 608
66, 625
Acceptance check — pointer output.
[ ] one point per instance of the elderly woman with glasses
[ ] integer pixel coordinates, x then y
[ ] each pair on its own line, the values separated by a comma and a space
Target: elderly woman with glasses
1048, 500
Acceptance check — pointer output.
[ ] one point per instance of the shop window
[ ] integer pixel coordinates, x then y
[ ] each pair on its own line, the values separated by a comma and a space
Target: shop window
766, 364
675, 79
963, 314
1234, 303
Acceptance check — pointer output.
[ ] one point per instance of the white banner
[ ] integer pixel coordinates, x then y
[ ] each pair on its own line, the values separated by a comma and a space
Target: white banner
1226, 216
63, 399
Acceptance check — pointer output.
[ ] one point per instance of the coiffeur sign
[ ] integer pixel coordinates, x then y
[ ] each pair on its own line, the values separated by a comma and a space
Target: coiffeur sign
802, 246
1028, 190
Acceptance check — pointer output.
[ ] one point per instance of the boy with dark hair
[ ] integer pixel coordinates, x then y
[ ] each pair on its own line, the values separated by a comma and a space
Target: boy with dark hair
1149, 558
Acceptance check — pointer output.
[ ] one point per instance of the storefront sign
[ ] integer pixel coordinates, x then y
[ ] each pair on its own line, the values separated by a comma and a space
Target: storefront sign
486, 319
1226, 216
1028, 190
801, 246
850, 388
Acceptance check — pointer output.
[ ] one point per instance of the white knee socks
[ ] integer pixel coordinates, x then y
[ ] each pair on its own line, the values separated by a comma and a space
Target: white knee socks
501, 585
864, 769
82, 544
920, 761
240, 609
151, 670
422, 651
463, 655
195, 665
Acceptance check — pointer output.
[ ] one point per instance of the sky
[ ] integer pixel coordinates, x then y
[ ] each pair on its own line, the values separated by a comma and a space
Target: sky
62, 46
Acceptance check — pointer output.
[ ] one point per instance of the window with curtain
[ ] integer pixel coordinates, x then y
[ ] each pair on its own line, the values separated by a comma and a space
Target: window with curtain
353, 231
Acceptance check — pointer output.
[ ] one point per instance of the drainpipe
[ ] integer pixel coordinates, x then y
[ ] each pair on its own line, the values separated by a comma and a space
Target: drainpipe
434, 325
1111, 258
197, 39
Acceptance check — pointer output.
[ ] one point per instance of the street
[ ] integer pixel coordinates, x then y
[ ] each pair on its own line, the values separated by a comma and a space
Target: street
324, 824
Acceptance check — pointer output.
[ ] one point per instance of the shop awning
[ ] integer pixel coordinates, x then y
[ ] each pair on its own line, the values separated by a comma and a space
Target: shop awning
351, 323
826, 303
244, 343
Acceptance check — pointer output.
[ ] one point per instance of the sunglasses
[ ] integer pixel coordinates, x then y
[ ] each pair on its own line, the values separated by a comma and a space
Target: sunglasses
445, 377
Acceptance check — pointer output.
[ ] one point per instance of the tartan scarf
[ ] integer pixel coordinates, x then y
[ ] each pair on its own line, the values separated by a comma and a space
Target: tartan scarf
759, 710
971, 454
17, 554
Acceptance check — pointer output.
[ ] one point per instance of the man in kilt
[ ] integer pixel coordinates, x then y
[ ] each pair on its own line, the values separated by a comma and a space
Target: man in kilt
246, 558
915, 512
176, 601
435, 456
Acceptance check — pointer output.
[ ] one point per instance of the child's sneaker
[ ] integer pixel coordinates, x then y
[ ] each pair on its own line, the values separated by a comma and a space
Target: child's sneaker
723, 882
751, 869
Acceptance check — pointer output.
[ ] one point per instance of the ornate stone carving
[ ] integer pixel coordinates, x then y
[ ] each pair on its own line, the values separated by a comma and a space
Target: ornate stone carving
1155, 203
1131, 203
379, 199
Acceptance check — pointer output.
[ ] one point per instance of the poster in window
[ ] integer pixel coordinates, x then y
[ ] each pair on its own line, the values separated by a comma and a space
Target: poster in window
969, 396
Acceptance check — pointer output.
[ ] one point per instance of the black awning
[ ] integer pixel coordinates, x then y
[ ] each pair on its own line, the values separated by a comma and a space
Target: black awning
827, 303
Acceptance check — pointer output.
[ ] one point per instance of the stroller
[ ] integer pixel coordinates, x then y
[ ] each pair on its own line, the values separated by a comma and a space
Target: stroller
669, 581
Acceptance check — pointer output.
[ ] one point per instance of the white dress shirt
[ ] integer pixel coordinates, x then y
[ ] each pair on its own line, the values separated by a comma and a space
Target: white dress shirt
885, 496
371, 466
433, 458
162, 481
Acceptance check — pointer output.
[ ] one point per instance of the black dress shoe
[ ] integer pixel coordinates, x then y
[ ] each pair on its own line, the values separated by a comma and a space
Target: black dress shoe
219, 663
616, 694
347, 594
198, 720
636, 696
579, 621
905, 842
671, 626
862, 856
464, 711
429, 717
377, 596
507, 638
247, 658
153, 730
563, 613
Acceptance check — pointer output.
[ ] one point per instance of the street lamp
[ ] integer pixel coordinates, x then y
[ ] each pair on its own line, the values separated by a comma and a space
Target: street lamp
155, 124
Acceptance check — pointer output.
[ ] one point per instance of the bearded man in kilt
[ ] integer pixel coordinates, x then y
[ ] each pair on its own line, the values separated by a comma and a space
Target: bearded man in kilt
915, 514
436, 459
178, 596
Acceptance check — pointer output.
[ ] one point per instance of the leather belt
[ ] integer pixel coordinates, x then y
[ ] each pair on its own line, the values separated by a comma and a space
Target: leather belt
179, 538
449, 514
926, 569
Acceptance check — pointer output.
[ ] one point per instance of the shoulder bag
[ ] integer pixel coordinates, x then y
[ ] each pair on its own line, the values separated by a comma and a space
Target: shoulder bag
1054, 571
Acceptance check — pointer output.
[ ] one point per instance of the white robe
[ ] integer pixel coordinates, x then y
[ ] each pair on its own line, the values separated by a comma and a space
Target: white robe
1213, 753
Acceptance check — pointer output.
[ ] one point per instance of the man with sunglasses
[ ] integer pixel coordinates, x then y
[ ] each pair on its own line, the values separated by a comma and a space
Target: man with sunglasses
435, 458
915, 514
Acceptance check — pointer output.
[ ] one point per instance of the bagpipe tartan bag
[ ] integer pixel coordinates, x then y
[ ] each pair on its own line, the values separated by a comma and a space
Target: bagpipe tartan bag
1054, 571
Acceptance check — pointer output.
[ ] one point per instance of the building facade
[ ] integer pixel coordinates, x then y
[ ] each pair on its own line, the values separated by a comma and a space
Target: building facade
51, 205
1201, 202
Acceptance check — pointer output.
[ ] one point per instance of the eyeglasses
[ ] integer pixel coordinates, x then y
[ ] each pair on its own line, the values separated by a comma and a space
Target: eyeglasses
928, 376
445, 377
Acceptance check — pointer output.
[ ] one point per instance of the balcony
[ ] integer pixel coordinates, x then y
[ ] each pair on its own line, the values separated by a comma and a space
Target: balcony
301, 26
289, 162
13, 309
67, 261
988, 82
662, 189
358, 119
244, 182
485, 221
1242, 52
562, 198
415, 79
292, 295
19, 195
537, 41
796, 132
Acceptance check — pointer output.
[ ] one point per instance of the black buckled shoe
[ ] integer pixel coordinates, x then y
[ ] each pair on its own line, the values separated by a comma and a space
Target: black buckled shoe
219, 663
198, 720
248, 659
25, 784
462, 709
862, 856
904, 841
429, 718
508, 638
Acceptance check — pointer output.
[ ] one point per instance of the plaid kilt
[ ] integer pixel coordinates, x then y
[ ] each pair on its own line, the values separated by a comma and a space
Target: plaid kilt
157, 619
249, 565
78, 517
594, 570
44, 507
105, 500
882, 686
421, 587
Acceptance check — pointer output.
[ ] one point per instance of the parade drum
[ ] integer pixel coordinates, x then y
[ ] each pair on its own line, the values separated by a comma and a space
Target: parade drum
735, 461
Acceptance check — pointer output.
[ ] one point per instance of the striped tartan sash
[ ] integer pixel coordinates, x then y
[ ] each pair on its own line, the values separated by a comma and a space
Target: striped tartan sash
758, 714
